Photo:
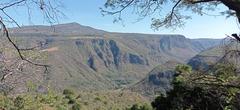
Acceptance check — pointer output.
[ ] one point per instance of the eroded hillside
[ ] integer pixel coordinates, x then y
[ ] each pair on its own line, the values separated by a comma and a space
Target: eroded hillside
85, 58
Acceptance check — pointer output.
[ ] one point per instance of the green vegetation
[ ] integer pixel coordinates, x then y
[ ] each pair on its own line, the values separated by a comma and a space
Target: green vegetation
68, 56
183, 69
68, 100
88, 59
217, 90
140, 107
48, 101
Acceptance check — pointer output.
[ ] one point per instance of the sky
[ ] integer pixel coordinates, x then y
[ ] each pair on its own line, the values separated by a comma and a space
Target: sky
87, 12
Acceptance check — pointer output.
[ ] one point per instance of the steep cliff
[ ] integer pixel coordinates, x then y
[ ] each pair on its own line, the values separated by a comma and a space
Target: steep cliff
228, 53
82, 57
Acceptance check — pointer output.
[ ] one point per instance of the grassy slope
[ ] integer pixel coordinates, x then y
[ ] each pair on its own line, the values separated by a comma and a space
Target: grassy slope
88, 100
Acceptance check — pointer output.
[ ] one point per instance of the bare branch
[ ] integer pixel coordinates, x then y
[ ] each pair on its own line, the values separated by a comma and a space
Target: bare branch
119, 11
200, 1
18, 50
12, 4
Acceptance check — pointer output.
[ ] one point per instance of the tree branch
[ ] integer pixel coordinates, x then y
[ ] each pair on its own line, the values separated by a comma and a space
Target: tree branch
201, 1
220, 85
12, 4
119, 11
5, 31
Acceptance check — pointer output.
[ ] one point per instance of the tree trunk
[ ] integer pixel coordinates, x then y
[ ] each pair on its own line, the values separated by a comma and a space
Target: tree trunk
233, 5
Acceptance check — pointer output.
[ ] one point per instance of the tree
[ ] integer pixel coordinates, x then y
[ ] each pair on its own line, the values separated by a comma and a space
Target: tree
175, 17
183, 69
218, 90
140, 107
48, 8
9, 66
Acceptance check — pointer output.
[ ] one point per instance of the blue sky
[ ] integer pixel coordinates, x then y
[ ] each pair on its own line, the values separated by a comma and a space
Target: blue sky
86, 12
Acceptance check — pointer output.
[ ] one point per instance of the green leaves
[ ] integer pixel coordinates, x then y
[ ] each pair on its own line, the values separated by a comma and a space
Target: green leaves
19, 102
141, 107
224, 71
185, 69
215, 89
35, 102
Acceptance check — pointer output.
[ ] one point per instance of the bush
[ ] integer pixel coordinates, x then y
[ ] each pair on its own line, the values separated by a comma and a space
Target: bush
68, 92
35, 102
97, 98
183, 69
141, 107
76, 106
19, 102
216, 90
71, 101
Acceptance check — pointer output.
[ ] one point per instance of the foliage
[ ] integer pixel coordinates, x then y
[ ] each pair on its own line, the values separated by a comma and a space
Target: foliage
67, 100
76, 106
68, 92
34, 102
224, 71
217, 90
183, 69
140, 107
31, 86
19, 102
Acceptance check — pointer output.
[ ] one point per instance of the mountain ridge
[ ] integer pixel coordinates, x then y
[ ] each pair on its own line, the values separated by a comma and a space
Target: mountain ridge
88, 58
75, 24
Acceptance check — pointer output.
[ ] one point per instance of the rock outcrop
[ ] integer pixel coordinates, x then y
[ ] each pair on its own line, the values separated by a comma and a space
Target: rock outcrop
88, 58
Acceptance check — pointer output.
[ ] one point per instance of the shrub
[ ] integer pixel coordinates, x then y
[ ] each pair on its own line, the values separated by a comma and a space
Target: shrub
19, 102
97, 98
216, 89
141, 107
68, 92
76, 106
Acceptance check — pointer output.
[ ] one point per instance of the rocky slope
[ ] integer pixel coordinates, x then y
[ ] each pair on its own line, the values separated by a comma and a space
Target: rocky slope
157, 82
228, 53
85, 58
159, 79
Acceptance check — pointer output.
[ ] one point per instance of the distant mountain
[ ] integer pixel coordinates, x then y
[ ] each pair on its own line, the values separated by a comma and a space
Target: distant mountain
228, 53
82, 57
205, 43
158, 80
70, 29
204, 60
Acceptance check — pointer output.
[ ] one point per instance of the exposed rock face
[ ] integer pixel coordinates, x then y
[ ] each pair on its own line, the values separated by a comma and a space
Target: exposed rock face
91, 63
169, 43
115, 52
87, 58
226, 54
203, 63
161, 78
135, 59
107, 51
158, 81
